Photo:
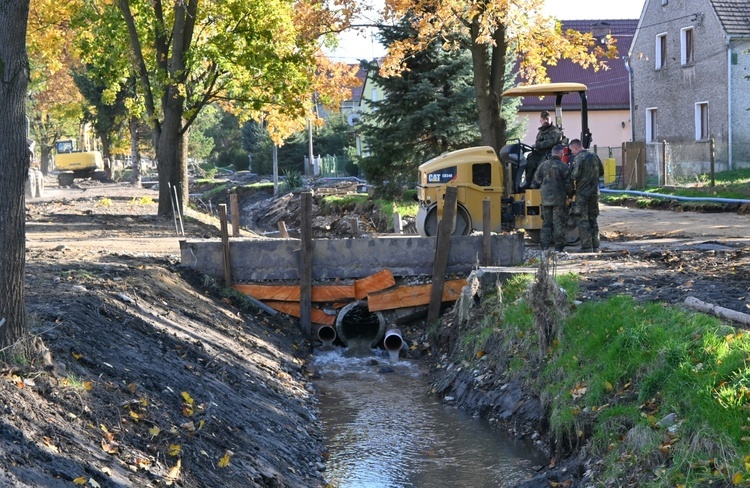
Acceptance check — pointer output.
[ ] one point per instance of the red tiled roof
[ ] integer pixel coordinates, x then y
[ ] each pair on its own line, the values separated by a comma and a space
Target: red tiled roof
608, 89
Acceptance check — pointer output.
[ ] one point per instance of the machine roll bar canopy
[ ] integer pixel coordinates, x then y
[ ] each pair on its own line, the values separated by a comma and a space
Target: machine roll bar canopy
558, 90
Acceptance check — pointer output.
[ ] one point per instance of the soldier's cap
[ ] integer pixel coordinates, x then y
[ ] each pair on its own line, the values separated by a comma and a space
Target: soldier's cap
544, 115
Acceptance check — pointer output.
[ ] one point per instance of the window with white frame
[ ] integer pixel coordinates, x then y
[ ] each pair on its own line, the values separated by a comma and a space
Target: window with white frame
660, 54
687, 41
651, 124
702, 132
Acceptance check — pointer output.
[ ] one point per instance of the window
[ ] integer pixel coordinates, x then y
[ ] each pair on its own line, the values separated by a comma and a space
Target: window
661, 51
687, 56
481, 174
651, 125
702, 132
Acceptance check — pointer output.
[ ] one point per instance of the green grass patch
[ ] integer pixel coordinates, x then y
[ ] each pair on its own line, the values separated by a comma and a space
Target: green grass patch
661, 394
650, 361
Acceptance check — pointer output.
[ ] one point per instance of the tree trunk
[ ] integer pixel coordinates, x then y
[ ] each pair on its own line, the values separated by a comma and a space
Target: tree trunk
14, 167
135, 152
171, 153
489, 76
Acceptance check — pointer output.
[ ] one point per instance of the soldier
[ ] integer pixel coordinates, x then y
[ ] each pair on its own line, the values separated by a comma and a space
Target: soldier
553, 178
548, 136
585, 172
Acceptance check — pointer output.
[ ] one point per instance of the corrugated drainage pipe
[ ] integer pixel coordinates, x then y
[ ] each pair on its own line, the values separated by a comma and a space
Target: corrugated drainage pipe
673, 197
355, 321
326, 335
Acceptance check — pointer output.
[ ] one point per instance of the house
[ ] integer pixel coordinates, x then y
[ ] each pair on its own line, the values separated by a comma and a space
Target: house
689, 84
608, 96
359, 103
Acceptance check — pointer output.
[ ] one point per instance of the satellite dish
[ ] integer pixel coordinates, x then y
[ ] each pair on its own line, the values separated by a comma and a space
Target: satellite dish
352, 119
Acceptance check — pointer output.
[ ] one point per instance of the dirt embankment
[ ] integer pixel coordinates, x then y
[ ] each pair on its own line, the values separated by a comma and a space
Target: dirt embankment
148, 376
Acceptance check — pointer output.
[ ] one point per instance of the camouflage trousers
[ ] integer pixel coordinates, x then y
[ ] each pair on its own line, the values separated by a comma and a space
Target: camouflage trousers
587, 211
554, 218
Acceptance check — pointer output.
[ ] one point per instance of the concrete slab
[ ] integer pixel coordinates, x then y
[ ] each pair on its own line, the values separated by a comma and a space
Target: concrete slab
255, 260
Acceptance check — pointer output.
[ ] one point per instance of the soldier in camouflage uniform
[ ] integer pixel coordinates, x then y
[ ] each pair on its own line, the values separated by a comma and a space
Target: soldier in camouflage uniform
586, 170
553, 178
548, 136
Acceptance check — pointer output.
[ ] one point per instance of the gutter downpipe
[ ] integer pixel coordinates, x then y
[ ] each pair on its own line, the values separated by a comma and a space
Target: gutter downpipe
630, 96
393, 343
326, 335
729, 102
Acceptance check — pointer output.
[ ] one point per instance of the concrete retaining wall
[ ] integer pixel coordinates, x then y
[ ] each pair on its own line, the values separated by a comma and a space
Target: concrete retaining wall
255, 260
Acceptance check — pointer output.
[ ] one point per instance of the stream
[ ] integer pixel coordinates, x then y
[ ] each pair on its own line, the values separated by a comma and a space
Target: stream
383, 430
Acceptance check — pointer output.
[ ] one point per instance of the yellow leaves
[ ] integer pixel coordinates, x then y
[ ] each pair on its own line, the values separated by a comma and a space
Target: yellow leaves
76, 355
187, 404
608, 386
80, 481
104, 202
154, 431
224, 461
737, 479
174, 472
578, 390
174, 450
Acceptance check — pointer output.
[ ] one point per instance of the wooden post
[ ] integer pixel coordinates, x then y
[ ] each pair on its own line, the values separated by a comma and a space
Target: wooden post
235, 209
664, 163
225, 245
282, 229
354, 226
487, 232
305, 263
442, 248
712, 149
398, 227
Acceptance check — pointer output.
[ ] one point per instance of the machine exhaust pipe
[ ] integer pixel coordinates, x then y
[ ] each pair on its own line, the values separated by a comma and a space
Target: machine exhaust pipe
326, 335
393, 342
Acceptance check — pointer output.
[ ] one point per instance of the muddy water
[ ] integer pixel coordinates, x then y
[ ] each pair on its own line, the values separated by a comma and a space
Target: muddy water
382, 430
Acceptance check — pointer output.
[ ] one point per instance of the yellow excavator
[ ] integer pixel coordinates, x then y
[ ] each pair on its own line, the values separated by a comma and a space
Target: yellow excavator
479, 174
73, 162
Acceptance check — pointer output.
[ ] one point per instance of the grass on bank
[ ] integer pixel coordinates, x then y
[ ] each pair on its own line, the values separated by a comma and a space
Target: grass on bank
660, 394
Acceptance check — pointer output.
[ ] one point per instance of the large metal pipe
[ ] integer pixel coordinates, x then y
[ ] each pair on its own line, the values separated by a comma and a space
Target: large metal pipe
326, 335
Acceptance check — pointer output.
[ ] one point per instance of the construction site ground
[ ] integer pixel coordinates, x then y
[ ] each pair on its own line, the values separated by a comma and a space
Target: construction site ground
147, 375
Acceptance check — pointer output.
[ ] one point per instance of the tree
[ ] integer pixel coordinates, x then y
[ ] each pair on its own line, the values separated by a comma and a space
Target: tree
492, 31
14, 166
427, 110
260, 59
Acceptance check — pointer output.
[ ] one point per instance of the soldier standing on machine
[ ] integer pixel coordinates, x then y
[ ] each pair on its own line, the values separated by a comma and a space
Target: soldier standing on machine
548, 136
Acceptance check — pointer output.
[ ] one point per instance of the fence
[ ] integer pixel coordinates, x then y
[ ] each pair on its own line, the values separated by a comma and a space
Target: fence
666, 163
329, 166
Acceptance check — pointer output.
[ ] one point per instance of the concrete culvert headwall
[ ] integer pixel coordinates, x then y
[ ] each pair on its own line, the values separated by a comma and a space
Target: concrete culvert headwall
355, 321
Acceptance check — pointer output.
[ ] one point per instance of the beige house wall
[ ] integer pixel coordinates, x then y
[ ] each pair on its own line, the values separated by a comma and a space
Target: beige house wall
608, 127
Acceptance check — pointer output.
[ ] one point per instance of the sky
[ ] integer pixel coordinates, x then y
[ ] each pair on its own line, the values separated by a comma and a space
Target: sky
354, 46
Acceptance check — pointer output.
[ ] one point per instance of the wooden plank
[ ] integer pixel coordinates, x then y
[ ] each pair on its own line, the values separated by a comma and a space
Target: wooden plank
442, 249
317, 316
291, 293
305, 262
283, 232
225, 245
235, 211
413, 296
487, 232
375, 282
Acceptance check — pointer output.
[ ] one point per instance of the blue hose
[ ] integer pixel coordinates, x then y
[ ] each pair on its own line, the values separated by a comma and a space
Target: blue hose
673, 197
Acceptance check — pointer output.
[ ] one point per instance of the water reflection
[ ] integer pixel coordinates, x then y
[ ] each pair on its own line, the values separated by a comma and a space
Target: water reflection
382, 430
